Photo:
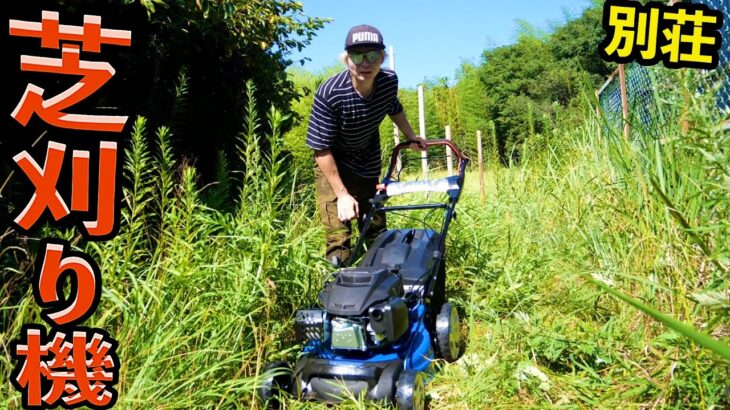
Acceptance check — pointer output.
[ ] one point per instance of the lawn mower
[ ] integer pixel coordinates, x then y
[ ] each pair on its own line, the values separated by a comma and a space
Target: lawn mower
381, 323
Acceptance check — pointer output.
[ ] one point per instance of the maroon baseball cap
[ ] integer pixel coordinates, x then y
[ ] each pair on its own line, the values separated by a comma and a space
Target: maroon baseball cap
364, 35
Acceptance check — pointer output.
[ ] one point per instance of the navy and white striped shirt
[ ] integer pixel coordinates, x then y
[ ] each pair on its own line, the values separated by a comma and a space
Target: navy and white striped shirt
348, 124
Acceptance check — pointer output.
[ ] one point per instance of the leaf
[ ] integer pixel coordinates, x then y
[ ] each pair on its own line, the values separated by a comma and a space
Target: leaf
714, 299
522, 317
149, 6
686, 330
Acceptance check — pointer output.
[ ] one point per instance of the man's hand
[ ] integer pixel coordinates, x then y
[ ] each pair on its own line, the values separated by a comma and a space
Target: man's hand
347, 208
400, 120
417, 143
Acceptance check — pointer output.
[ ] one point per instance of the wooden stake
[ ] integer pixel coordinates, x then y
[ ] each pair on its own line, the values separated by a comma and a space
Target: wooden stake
422, 125
624, 100
396, 135
685, 107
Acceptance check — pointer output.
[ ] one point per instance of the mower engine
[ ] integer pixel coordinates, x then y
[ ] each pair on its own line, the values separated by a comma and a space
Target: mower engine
363, 309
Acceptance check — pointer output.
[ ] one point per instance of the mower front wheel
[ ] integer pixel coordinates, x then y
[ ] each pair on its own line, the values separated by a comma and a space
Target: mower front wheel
277, 379
410, 391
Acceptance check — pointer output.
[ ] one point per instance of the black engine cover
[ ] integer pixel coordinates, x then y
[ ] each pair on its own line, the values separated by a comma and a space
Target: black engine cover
412, 252
356, 289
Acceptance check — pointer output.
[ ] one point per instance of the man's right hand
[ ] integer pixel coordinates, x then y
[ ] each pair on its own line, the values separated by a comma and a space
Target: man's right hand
347, 208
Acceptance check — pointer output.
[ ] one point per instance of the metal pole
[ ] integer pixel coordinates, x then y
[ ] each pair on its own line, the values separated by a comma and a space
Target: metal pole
422, 126
396, 135
481, 166
449, 160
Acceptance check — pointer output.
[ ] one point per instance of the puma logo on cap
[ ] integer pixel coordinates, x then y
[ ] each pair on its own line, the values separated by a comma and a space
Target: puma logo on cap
365, 36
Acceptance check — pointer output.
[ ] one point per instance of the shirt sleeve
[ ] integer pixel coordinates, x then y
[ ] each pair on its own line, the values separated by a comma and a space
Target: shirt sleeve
322, 123
395, 105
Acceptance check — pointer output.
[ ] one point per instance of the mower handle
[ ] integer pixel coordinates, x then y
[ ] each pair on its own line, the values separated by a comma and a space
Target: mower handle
381, 193
429, 143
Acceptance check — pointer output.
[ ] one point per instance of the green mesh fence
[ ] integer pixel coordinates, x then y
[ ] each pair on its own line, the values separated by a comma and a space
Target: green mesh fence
639, 84
640, 94
723, 69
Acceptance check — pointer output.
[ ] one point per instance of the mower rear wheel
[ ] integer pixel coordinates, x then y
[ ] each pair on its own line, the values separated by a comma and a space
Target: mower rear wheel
410, 393
277, 381
448, 333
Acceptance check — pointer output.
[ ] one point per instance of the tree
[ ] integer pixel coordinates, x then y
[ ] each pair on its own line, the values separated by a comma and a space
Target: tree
217, 44
222, 44
471, 107
577, 41
513, 75
306, 84
528, 83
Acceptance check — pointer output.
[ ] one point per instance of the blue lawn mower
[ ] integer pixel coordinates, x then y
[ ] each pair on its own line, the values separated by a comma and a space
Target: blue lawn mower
383, 322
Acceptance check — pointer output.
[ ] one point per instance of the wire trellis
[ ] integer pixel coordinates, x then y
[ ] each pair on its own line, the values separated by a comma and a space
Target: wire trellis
723, 68
640, 89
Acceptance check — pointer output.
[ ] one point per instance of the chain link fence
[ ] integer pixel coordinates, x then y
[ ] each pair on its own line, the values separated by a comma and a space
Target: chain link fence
723, 69
640, 89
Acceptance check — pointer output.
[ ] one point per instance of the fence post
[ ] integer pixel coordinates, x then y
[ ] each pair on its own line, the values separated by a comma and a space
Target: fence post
449, 160
422, 126
624, 100
396, 135
687, 99
598, 112
481, 166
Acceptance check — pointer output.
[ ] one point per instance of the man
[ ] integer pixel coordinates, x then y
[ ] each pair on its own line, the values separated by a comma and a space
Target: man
344, 134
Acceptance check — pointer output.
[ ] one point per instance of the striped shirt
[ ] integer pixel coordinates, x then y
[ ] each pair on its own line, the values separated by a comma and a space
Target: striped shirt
348, 124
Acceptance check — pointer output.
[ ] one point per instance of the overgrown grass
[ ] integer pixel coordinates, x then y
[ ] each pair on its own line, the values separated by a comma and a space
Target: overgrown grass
646, 220
199, 299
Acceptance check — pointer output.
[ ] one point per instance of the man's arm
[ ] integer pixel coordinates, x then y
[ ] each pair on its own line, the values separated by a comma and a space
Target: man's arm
401, 121
346, 205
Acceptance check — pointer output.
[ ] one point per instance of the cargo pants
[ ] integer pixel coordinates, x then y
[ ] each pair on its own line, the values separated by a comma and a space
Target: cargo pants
338, 234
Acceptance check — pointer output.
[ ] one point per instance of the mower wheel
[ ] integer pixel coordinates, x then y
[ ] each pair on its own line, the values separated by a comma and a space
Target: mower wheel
448, 333
410, 391
277, 379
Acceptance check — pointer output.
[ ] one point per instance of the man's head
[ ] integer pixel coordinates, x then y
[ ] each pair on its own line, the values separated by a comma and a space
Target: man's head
364, 35
365, 52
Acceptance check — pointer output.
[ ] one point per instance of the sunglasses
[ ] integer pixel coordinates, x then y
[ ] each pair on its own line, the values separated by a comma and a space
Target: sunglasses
357, 58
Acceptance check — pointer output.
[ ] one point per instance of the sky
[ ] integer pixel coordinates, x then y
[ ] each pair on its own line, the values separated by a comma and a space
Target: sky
430, 38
